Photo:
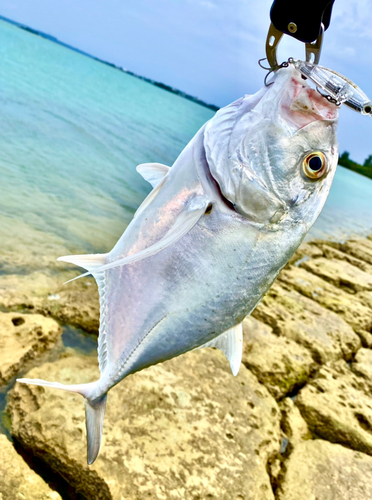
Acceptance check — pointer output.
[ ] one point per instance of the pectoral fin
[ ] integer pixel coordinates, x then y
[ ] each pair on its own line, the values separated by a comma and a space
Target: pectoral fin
153, 172
182, 225
230, 343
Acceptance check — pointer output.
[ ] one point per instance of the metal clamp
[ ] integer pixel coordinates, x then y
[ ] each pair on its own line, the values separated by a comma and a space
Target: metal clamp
313, 49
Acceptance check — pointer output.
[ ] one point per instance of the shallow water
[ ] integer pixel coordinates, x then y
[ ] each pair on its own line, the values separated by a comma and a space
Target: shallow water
348, 209
72, 132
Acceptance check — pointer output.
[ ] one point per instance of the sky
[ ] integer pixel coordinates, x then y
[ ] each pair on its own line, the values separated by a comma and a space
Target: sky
207, 48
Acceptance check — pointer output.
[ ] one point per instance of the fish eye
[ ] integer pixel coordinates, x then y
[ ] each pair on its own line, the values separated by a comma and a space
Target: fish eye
314, 165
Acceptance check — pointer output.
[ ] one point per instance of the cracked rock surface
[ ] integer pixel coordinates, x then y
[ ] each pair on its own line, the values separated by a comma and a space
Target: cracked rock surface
321, 470
182, 429
23, 338
296, 424
76, 304
278, 362
17, 480
337, 406
323, 332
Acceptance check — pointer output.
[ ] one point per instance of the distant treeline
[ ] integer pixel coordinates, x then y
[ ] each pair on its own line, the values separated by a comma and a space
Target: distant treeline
365, 169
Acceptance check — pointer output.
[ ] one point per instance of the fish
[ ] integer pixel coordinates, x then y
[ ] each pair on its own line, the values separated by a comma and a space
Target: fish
211, 237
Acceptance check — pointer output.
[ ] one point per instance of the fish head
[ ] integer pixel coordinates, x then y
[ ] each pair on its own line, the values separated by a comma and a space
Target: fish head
277, 151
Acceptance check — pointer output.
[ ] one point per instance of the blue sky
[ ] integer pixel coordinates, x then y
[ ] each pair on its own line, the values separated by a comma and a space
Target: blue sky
207, 48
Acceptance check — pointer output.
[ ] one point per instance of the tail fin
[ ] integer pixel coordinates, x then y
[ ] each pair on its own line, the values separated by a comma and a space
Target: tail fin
94, 411
94, 415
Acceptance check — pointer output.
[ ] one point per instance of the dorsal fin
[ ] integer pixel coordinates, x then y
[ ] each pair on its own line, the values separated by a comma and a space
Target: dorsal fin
88, 261
230, 343
153, 172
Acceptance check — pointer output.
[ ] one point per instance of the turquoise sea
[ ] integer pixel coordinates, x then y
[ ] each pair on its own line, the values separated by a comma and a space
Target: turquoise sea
72, 132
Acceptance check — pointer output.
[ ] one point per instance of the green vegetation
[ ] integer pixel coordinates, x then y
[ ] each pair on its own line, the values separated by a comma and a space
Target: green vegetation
365, 169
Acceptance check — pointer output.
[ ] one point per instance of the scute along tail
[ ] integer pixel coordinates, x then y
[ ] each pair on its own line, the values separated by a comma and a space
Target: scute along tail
94, 408
92, 263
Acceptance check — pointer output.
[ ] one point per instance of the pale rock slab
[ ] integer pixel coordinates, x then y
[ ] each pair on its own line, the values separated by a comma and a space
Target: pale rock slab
361, 248
305, 250
322, 332
337, 406
332, 253
318, 470
24, 337
278, 362
76, 303
347, 306
340, 273
362, 366
185, 429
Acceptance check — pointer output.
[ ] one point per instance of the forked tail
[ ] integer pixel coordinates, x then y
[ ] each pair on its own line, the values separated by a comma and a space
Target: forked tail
94, 411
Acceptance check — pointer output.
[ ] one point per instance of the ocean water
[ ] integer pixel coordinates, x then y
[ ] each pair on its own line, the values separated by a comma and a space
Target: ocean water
73, 130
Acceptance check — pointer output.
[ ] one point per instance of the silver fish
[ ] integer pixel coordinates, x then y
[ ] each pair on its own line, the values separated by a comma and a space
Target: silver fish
212, 236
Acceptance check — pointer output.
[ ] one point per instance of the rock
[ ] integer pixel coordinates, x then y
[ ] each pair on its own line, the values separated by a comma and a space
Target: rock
365, 298
361, 248
23, 338
75, 303
347, 306
362, 365
337, 407
340, 273
18, 481
279, 363
365, 337
305, 251
332, 253
293, 424
296, 317
185, 428
317, 470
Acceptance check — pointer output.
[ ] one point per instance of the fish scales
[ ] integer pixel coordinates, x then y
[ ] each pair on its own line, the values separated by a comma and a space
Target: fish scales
212, 236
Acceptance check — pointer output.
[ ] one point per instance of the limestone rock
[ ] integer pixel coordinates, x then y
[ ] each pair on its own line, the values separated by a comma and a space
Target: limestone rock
182, 429
365, 298
347, 306
317, 470
296, 317
17, 480
340, 273
365, 337
76, 303
293, 424
362, 365
279, 363
337, 406
24, 337
332, 253
304, 251
361, 248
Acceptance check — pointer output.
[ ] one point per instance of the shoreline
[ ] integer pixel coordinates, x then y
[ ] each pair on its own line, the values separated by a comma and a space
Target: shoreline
161, 85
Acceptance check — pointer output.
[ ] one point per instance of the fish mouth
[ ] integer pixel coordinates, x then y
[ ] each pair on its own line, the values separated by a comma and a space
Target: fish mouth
300, 104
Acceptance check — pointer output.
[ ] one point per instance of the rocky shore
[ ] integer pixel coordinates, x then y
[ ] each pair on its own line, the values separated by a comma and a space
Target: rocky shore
295, 424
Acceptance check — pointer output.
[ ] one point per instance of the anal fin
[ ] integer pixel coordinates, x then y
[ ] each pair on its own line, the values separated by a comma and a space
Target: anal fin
230, 342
